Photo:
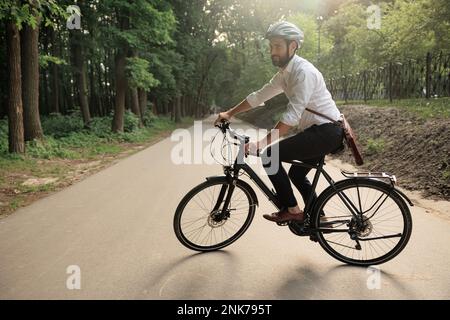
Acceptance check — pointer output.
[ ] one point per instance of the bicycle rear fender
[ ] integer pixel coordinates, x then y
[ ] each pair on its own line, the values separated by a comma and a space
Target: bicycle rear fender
380, 176
241, 182
404, 197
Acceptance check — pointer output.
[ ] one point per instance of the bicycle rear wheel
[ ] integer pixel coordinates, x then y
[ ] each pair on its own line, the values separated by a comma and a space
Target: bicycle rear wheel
201, 224
381, 232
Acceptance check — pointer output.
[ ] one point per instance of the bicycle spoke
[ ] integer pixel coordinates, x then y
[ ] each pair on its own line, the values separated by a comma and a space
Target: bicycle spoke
381, 230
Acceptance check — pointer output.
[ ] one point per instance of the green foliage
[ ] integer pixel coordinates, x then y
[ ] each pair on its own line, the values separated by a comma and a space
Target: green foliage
139, 75
253, 76
131, 122
3, 136
101, 127
57, 125
48, 148
375, 146
446, 174
149, 118
309, 25
75, 141
150, 22
409, 29
45, 59
210, 52
30, 12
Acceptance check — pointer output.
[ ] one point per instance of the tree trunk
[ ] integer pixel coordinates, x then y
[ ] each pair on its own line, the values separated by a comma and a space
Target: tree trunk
120, 78
202, 84
155, 107
54, 78
94, 102
128, 99
142, 101
44, 91
101, 92
55, 89
80, 73
189, 108
183, 107
134, 97
107, 85
15, 107
121, 89
177, 109
30, 83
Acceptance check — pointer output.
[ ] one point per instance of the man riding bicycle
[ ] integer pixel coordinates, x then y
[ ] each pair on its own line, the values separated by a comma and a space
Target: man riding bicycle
304, 87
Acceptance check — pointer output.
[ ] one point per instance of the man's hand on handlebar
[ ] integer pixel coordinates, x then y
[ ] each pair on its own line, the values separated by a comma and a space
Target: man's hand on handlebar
222, 116
249, 148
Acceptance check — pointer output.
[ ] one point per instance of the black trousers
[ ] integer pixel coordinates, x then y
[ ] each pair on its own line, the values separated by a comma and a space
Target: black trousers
308, 146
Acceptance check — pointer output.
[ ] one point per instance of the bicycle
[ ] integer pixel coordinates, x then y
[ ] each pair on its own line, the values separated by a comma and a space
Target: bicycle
350, 231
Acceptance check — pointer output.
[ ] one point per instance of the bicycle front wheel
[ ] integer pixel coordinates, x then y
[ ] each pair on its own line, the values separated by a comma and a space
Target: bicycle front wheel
202, 224
379, 231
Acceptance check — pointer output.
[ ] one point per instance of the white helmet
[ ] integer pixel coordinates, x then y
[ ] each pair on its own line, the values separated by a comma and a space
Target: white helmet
285, 30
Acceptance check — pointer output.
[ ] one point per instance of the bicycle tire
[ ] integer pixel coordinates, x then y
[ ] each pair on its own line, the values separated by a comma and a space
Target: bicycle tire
252, 201
371, 184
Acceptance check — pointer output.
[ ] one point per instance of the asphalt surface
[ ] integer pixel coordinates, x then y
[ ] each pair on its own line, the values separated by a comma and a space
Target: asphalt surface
115, 227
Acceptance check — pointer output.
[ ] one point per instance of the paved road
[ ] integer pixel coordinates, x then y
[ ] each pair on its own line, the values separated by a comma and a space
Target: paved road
116, 226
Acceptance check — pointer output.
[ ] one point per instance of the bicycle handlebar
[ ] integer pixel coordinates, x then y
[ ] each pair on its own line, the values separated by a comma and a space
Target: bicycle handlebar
225, 125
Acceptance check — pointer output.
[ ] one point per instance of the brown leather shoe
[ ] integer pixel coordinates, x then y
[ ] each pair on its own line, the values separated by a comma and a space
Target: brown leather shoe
284, 216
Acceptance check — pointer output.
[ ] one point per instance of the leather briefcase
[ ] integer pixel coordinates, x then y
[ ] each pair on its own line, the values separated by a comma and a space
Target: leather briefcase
349, 136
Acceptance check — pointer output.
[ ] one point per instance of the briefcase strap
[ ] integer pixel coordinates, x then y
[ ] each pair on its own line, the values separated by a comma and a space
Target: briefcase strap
323, 116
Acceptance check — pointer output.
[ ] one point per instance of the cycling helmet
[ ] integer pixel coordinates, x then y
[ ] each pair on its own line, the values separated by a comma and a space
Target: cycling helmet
285, 30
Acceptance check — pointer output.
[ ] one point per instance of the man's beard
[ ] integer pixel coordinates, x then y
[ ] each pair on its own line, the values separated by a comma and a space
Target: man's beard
281, 62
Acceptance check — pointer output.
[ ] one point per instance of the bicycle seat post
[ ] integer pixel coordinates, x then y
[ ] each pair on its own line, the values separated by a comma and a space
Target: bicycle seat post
308, 205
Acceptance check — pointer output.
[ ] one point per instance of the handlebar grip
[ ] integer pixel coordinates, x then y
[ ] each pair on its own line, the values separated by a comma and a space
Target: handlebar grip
222, 122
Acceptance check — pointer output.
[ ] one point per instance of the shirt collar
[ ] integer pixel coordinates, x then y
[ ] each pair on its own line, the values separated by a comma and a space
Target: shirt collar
290, 65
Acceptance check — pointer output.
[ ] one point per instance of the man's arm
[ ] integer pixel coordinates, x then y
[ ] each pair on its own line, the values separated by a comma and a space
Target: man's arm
241, 107
254, 99
280, 130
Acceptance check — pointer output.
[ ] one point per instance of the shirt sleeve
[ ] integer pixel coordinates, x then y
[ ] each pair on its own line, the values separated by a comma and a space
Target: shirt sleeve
267, 92
302, 89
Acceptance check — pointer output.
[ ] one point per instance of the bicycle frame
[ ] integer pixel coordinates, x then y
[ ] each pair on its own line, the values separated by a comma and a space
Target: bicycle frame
232, 174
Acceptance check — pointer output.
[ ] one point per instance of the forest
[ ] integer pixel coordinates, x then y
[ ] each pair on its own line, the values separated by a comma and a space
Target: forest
115, 66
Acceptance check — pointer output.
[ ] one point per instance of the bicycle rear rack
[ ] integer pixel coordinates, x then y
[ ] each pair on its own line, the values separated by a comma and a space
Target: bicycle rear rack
370, 175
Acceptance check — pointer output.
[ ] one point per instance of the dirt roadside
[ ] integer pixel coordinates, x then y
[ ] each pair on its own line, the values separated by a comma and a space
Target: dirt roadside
415, 149
22, 189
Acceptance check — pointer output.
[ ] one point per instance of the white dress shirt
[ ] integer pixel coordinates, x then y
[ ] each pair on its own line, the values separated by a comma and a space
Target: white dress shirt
305, 87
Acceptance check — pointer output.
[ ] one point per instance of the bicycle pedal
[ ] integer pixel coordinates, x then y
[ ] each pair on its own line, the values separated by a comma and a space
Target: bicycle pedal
298, 229
283, 224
